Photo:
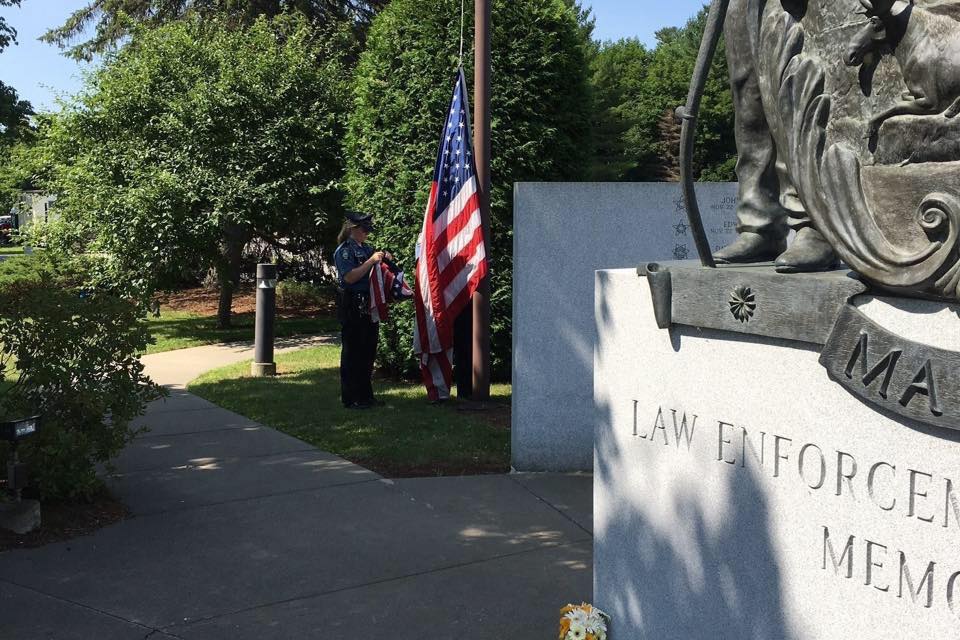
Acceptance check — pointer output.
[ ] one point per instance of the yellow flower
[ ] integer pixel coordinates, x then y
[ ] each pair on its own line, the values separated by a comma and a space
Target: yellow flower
564, 627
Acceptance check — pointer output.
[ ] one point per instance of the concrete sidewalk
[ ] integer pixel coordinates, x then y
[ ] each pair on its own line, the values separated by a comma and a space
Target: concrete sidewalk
240, 531
174, 369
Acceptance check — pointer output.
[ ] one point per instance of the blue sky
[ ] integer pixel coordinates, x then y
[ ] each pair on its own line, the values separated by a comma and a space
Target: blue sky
39, 72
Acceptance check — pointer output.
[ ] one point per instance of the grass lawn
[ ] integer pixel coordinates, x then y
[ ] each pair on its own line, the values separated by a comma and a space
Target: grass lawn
11, 250
182, 329
405, 437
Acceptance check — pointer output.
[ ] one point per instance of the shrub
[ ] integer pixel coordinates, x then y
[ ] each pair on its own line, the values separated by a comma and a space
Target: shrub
297, 295
71, 355
540, 122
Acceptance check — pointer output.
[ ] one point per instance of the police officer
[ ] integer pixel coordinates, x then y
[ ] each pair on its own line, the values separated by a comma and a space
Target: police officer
354, 260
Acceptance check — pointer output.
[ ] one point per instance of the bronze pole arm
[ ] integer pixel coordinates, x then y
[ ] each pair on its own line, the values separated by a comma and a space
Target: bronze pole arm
688, 116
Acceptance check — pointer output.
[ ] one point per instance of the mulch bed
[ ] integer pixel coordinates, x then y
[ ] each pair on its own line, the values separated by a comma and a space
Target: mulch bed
204, 302
62, 521
497, 415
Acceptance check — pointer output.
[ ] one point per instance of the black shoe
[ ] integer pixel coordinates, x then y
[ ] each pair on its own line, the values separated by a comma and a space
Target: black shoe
359, 405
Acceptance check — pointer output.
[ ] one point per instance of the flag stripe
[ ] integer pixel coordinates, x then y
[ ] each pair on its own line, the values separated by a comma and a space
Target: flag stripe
462, 279
437, 375
470, 213
430, 336
457, 205
460, 242
462, 259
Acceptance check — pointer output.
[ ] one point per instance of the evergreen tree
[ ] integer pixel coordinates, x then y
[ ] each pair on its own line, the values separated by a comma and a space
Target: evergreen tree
664, 88
636, 92
540, 126
618, 70
115, 20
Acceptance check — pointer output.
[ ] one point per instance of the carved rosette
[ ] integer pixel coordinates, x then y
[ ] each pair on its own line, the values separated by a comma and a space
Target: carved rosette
743, 304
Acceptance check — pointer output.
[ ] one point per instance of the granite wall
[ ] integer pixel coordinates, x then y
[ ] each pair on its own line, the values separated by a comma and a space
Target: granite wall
563, 233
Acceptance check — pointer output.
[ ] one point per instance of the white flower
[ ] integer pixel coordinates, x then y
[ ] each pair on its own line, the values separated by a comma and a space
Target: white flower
596, 623
577, 616
577, 632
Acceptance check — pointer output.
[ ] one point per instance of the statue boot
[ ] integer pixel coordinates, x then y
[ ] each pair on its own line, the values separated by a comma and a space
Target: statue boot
750, 247
809, 252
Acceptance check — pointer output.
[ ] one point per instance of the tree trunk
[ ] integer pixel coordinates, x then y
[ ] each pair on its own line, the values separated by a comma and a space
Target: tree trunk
669, 130
228, 271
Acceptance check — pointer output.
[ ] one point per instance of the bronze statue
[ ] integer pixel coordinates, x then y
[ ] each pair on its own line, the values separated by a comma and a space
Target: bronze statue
847, 129
769, 205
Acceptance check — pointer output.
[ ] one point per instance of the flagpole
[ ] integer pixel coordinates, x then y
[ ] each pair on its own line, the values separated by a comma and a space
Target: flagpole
481, 143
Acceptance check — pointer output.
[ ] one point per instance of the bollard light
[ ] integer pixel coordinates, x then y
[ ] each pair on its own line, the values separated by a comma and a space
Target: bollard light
263, 364
13, 432
20, 516
18, 429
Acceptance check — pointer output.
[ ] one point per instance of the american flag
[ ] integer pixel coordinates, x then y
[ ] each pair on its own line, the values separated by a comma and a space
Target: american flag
386, 287
451, 256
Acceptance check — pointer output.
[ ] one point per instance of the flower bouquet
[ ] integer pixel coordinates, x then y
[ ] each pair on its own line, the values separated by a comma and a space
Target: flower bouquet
583, 622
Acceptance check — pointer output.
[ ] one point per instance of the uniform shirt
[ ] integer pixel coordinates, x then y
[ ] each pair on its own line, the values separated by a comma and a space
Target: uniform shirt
350, 255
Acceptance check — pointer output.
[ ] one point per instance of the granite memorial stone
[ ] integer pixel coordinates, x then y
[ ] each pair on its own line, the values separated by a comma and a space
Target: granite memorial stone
740, 492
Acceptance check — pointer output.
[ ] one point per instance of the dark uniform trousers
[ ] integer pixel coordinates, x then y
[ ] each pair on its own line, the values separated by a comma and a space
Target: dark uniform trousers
358, 350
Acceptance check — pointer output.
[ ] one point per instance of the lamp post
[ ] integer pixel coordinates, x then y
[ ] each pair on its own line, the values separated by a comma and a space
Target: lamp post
263, 364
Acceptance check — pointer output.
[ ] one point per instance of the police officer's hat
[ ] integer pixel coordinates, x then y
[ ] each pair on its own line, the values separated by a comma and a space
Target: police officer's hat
359, 219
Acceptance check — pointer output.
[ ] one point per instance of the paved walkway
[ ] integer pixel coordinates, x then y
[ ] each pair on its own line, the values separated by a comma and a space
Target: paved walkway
240, 531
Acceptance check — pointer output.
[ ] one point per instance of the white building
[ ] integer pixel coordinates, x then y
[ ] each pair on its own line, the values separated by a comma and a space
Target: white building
34, 206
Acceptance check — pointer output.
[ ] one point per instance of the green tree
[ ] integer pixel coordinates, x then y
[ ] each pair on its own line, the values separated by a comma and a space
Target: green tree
14, 117
18, 166
618, 71
540, 112
184, 147
115, 20
8, 35
663, 89
15, 124
14, 113
636, 92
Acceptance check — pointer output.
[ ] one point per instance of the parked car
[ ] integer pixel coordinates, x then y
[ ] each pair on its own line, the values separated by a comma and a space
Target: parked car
7, 227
